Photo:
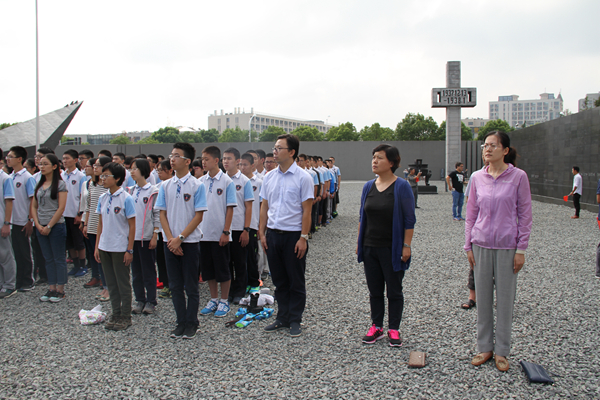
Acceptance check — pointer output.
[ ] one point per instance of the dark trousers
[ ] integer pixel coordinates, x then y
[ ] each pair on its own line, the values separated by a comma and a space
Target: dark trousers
287, 272
118, 279
576, 198
90, 247
252, 259
380, 275
313, 217
96, 265
39, 262
415, 190
22, 250
323, 217
183, 274
237, 266
160, 261
143, 271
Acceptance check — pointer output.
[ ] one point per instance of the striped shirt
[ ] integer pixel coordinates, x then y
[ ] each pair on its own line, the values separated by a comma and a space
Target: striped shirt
94, 194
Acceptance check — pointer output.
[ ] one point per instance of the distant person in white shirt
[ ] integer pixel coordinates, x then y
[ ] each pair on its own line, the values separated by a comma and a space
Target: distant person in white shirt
577, 191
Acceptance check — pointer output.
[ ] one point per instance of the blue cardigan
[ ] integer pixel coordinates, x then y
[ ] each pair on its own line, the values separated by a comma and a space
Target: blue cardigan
403, 218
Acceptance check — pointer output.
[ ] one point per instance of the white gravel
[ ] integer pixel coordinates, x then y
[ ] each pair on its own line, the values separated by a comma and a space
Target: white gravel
46, 353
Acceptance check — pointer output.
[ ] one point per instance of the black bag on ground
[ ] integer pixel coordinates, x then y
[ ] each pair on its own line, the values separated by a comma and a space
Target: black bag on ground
536, 373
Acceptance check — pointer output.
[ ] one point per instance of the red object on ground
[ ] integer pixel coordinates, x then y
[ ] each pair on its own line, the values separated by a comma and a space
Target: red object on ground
566, 198
159, 284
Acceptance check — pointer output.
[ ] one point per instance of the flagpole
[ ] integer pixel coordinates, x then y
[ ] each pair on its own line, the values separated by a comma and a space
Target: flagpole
37, 83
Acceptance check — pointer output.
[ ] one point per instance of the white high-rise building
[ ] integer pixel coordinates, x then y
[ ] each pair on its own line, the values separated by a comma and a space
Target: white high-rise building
591, 98
259, 121
529, 112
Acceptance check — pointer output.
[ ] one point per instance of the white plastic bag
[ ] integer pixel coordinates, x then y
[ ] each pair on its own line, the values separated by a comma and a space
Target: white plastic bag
92, 317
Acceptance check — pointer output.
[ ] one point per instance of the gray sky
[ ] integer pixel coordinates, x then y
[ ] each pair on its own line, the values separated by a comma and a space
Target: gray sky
142, 65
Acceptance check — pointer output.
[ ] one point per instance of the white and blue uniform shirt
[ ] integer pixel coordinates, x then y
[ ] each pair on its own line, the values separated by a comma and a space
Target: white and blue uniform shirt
129, 181
74, 180
37, 176
220, 193
285, 193
243, 193
181, 199
24, 187
154, 177
313, 174
256, 183
146, 217
115, 210
7, 191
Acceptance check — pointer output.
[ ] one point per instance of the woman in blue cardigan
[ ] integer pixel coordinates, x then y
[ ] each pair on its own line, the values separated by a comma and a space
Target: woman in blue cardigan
384, 242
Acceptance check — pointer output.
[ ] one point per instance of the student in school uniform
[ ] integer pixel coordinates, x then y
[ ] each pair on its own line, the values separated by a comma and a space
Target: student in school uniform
240, 228
153, 161
114, 244
120, 158
182, 202
73, 177
147, 226
22, 221
8, 266
247, 166
165, 172
216, 227
304, 163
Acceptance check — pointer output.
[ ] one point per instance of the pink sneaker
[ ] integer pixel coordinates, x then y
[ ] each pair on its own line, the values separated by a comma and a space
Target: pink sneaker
395, 339
373, 335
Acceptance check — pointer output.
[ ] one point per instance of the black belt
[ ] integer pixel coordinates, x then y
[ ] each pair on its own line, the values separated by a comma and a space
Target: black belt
280, 232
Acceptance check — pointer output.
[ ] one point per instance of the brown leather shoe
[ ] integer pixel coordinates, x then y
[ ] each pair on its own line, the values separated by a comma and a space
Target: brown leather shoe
481, 358
502, 364
110, 323
122, 323
94, 282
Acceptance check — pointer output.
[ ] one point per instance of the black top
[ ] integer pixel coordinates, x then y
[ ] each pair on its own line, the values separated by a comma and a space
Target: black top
379, 207
457, 180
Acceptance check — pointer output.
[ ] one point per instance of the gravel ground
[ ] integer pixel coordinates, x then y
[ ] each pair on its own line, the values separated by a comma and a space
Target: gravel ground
48, 354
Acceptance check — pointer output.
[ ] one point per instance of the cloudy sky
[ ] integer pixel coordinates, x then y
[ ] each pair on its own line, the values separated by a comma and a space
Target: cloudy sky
142, 65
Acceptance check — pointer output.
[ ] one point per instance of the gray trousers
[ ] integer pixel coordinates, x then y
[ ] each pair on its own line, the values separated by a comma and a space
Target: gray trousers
118, 280
415, 190
8, 266
494, 267
598, 261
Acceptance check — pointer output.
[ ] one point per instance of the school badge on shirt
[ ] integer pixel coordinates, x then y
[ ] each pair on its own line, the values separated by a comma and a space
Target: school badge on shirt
219, 191
238, 187
117, 210
73, 182
145, 200
254, 188
18, 184
187, 197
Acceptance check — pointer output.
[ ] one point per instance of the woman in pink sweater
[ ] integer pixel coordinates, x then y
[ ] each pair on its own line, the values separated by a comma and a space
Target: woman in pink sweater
496, 237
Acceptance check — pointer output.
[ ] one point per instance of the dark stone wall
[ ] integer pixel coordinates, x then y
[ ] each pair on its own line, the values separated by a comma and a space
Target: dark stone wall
548, 151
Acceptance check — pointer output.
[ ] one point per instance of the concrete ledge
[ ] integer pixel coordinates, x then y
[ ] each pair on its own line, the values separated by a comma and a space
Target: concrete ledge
561, 202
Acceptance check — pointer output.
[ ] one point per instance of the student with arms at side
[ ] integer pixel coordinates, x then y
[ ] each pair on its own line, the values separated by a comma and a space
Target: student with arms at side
8, 266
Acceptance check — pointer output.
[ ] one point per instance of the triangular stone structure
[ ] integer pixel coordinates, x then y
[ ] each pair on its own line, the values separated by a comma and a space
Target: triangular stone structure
52, 127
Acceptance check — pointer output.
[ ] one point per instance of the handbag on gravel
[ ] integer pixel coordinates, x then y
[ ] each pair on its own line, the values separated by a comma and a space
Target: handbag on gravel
536, 373
416, 359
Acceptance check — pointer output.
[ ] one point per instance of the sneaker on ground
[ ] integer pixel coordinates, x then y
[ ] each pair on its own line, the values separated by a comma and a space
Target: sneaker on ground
210, 308
122, 324
236, 300
73, 271
395, 339
81, 272
373, 335
177, 333
189, 332
222, 310
110, 323
47, 296
6, 293
295, 329
58, 296
26, 288
137, 309
275, 326
148, 309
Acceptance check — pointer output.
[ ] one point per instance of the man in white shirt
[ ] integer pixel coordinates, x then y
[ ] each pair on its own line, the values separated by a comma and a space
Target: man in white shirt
577, 191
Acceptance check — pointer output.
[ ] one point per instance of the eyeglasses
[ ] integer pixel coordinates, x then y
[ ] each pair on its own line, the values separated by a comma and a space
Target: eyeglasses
39, 157
176, 157
134, 169
97, 165
278, 149
492, 146
104, 176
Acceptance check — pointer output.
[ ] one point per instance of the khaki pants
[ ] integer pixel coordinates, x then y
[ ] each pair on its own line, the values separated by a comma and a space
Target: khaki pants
118, 280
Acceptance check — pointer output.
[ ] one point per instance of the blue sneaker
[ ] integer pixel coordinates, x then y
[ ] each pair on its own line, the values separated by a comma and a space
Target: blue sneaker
222, 310
81, 272
74, 271
210, 308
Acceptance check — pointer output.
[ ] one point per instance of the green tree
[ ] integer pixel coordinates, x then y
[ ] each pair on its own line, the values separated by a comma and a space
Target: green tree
85, 144
6, 125
376, 133
270, 134
416, 127
343, 133
233, 135
597, 102
148, 140
465, 132
209, 136
168, 134
190, 137
308, 134
494, 125
121, 139
66, 139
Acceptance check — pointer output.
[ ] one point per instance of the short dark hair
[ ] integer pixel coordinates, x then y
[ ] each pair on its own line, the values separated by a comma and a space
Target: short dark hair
576, 168
117, 170
87, 153
253, 152
293, 143
196, 163
153, 157
105, 152
45, 150
128, 160
120, 155
72, 153
189, 151
457, 164
391, 153
248, 157
160, 156
302, 156
165, 165
234, 151
19, 152
212, 151
142, 155
143, 166
31, 164
269, 155
1, 154
261, 153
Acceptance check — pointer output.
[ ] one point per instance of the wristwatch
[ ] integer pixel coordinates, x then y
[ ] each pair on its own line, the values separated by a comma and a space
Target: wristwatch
407, 245
247, 228
6, 222
156, 230
181, 237
129, 251
305, 237
226, 233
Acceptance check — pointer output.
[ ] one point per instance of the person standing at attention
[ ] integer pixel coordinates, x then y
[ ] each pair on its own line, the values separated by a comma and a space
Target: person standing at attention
577, 191
287, 194
8, 267
455, 181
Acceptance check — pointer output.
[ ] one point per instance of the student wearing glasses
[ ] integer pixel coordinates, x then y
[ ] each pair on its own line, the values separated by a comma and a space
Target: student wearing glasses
270, 163
287, 194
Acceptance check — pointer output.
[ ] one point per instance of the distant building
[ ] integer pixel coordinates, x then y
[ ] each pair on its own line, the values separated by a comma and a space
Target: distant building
475, 124
259, 121
591, 98
529, 112
105, 138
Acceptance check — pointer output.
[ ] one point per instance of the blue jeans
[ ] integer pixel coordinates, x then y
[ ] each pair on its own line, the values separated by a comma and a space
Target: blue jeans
54, 250
183, 276
457, 203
